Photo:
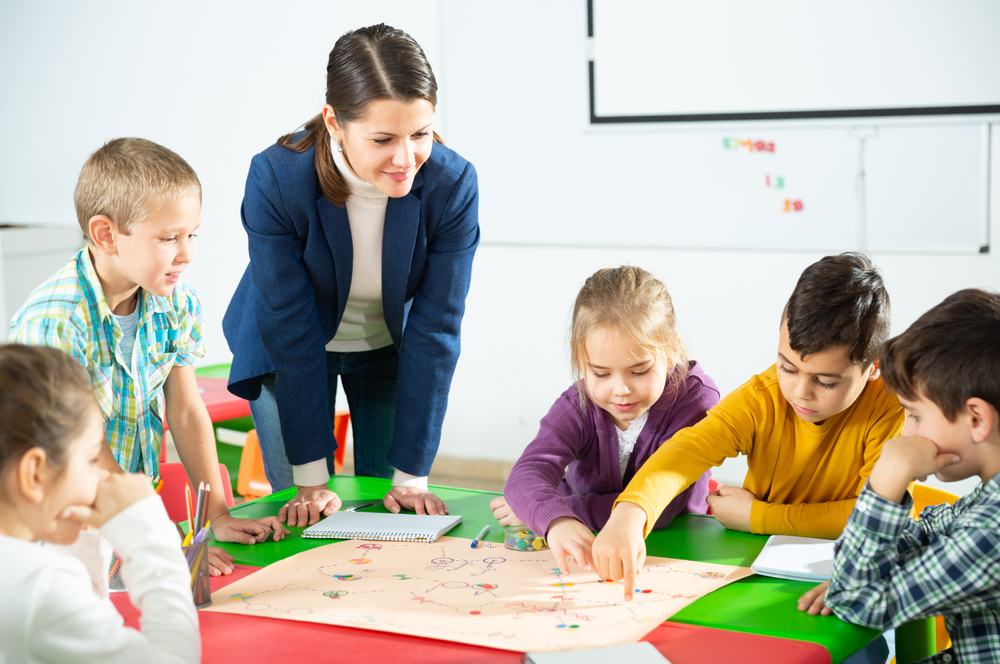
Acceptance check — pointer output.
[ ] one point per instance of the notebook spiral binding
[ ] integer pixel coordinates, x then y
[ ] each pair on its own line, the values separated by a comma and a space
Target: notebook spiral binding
383, 537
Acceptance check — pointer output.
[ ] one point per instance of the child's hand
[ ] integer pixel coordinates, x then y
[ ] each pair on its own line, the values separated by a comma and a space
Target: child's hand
227, 528
413, 498
114, 493
308, 505
903, 460
731, 506
812, 601
569, 537
219, 562
619, 549
503, 513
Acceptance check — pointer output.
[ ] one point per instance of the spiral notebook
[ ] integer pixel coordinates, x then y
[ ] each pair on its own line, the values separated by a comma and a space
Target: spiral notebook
382, 526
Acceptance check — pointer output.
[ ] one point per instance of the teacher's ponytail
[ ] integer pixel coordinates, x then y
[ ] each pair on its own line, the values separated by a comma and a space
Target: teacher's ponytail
365, 65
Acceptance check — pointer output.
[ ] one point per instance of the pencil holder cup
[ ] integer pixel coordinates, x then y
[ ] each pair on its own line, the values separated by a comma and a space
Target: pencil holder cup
197, 560
115, 582
520, 538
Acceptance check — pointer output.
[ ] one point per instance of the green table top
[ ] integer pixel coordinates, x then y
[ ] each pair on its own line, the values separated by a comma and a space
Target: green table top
759, 605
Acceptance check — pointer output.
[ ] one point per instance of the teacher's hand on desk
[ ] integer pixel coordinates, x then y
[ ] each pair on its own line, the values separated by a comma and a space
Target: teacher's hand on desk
619, 549
413, 498
310, 504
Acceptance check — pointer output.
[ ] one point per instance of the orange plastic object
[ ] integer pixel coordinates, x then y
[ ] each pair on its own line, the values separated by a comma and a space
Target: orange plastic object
925, 496
172, 493
341, 418
251, 482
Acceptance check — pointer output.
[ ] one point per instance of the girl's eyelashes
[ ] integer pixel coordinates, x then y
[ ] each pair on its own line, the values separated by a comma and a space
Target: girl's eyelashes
785, 369
641, 373
828, 386
381, 141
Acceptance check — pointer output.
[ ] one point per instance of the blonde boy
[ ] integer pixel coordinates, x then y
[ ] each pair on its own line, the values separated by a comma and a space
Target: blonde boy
120, 309
891, 569
811, 425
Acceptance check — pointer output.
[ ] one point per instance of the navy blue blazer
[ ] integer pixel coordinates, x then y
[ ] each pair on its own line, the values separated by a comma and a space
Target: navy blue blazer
293, 294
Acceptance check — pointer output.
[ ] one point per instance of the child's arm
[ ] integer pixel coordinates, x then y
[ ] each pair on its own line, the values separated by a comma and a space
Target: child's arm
531, 490
70, 622
195, 440
880, 584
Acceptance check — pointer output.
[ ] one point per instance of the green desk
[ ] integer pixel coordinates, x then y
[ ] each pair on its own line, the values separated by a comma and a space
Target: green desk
758, 605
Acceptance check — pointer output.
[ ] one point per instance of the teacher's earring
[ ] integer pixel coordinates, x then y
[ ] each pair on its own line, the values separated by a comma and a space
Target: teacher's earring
340, 146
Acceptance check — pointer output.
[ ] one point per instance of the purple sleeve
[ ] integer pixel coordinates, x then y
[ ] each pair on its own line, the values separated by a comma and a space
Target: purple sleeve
532, 488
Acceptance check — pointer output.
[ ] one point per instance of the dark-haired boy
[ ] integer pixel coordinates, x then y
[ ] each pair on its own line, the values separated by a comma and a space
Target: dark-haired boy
811, 426
890, 569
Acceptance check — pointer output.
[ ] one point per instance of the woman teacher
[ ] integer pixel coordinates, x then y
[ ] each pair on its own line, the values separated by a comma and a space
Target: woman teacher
361, 231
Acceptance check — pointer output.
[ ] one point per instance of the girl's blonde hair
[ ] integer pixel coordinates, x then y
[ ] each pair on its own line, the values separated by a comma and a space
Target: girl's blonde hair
633, 305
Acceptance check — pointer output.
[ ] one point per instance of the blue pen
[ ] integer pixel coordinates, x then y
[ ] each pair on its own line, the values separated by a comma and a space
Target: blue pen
482, 532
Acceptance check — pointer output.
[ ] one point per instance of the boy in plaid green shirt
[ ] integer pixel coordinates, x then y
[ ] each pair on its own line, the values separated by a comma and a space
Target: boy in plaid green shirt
120, 309
890, 569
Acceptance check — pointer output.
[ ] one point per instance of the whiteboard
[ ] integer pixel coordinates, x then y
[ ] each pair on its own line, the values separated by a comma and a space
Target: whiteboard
672, 60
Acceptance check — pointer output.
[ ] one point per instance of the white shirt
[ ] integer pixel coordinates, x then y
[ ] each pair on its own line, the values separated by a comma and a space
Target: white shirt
363, 324
55, 611
627, 438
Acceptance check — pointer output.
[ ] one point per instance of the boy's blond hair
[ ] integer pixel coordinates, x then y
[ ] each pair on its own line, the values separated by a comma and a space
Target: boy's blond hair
130, 179
633, 305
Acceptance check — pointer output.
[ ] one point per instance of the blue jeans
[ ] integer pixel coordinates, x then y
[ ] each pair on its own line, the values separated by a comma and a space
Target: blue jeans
369, 380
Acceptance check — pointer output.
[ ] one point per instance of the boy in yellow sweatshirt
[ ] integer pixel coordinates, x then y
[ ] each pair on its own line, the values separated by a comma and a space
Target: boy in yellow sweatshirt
811, 426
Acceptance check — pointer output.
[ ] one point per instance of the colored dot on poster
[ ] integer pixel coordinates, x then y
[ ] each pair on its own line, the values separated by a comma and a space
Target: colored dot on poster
475, 613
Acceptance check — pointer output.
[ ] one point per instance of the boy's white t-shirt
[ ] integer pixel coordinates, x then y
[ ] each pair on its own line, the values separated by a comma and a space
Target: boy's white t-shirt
52, 610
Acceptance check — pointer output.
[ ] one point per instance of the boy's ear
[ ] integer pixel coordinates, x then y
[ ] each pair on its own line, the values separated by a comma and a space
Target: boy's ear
102, 234
873, 371
983, 419
30, 474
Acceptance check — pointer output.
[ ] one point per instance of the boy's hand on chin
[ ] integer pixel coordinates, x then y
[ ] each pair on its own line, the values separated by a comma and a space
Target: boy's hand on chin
732, 506
903, 460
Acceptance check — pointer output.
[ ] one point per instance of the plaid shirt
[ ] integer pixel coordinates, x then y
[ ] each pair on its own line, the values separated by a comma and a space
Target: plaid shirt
891, 569
69, 312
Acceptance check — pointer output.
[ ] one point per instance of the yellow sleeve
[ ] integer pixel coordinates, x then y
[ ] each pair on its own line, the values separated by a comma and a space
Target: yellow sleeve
727, 430
827, 520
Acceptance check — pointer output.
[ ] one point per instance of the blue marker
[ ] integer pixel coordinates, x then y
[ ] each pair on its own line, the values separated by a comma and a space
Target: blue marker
482, 532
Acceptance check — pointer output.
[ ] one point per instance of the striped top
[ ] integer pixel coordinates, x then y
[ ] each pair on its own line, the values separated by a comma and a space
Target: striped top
69, 312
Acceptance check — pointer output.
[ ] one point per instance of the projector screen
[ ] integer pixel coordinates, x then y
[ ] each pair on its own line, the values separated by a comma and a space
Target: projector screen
721, 60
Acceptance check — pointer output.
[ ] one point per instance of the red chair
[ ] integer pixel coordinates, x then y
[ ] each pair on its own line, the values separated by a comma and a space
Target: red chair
172, 493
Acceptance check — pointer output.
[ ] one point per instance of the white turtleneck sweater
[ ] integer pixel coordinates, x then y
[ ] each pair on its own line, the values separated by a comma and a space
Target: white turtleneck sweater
363, 325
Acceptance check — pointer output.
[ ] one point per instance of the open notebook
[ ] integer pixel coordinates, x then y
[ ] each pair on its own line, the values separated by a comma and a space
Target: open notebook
381, 526
795, 558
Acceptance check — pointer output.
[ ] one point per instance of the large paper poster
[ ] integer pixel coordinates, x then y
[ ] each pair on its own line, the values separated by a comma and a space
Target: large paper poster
514, 600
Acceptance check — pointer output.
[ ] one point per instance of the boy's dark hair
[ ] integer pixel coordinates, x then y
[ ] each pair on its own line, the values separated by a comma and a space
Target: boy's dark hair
839, 301
45, 398
950, 354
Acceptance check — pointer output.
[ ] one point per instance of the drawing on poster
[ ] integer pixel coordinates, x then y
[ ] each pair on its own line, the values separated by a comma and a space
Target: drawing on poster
514, 600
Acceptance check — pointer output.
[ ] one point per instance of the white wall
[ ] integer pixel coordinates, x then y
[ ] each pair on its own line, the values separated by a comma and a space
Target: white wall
218, 82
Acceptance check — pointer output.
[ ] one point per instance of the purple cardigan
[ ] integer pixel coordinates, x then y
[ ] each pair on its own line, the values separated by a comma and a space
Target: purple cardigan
542, 488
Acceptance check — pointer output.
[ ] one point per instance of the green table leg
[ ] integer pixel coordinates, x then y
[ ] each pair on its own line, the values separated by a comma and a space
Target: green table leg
915, 640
